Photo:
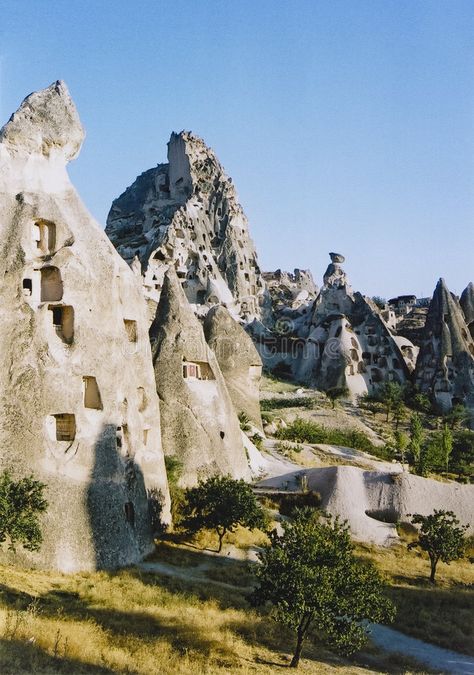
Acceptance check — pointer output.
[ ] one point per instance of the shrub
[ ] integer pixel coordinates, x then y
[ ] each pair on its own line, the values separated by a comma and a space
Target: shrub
305, 431
21, 502
174, 469
289, 502
267, 404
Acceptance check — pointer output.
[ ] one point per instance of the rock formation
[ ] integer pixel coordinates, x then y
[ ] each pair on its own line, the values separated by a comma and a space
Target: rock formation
186, 213
339, 340
467, 305
199, 424
238, 360
373, 502
290, 291
445, 365
78, 406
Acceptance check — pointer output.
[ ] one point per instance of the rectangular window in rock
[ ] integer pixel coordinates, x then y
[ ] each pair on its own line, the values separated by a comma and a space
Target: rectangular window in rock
63, 321
92, 398
45, 235
199, 370
27, 286
131, 329
65, 427
51, 284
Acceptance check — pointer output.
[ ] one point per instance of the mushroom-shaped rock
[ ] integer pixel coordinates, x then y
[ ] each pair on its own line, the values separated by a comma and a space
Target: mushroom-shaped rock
199, 424
335, 277
337, 257
238, 359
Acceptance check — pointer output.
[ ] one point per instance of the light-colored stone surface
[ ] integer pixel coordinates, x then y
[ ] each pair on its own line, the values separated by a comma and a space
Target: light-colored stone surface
238, 359
186, 213
199, 423
58, 267
365, 498
338, 340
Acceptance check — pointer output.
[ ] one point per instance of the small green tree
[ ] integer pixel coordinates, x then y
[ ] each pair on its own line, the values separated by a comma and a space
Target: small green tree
334, 394
446, 445
312, 578
402, 440
221, 503
21, 502
416, 439
441, 537
390, 394
457, 416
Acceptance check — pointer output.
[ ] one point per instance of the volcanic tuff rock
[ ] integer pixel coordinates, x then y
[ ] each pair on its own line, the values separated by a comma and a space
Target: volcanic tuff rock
78, 405
445, 365
338, 340
289, 291
238, 359
199, 424
467, 305
186, 213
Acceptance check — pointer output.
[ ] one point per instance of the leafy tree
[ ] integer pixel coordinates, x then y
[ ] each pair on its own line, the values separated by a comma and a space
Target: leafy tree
380, 302
221, 503
457, 416
21, 502
390, 395
369, 403
312, 578
336, 393
416, 439
446, 445
440, 537
402, 440
462, 458
399, 413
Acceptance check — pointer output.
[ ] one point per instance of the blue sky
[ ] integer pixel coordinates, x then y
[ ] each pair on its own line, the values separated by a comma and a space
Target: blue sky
347, 125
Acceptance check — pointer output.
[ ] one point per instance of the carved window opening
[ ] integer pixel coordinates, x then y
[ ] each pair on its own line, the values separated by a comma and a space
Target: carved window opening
142, 399
65, 427
45, 234
92, 398
131, 329
51, 284
27, 286
338, 331
63, 322
222, 434
198, 370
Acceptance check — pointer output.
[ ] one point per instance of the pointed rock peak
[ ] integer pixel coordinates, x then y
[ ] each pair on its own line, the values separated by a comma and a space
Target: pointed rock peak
467, 304
335, 277
46, 122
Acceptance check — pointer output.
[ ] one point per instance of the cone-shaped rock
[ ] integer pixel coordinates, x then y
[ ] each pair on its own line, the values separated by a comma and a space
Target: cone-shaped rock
199, 424
78, 406
445, 365
467, 305
238, 359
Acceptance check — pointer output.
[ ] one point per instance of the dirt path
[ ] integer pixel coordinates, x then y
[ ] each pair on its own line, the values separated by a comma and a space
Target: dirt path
444, 660
386, 639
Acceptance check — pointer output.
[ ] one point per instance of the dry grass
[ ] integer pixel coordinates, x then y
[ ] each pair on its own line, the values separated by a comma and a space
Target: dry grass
132, 622
441, 614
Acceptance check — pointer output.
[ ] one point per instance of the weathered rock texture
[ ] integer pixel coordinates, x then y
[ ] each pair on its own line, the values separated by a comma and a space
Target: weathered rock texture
338, 340
238, 359
467, 305
445, 365
78, 405
199, 424
186, 213
373, 502
290, 291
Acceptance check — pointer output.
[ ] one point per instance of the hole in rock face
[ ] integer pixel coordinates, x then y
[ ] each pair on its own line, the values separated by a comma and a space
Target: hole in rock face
27, 286
45, 235
222, 434
51, 284
63, 321
65, 427
383, 515
92, 398
131, 329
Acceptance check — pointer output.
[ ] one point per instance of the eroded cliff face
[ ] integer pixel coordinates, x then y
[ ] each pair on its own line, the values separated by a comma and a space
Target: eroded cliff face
199, 424
186, 214
78, 405
338, 339
445, 366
